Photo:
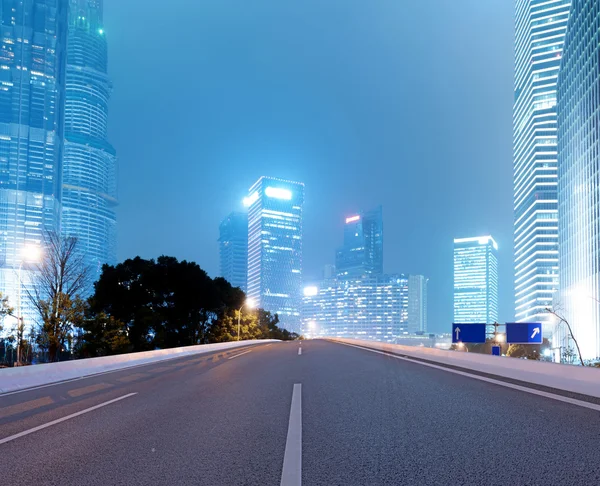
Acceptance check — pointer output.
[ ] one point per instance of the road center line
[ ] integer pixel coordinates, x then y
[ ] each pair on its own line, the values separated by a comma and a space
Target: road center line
300, 351
63, 419
292, 460
533, 391
245, 352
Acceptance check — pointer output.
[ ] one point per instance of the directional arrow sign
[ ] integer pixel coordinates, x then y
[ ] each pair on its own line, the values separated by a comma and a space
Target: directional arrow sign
468, 333
523, 333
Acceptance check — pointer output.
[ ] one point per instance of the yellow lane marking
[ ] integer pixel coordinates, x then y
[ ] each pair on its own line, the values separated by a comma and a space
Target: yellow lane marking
89, 389
25, 407
134, 377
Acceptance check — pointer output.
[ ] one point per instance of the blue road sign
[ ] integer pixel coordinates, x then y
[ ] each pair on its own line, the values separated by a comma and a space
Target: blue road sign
495, 350
523, 333
468, 333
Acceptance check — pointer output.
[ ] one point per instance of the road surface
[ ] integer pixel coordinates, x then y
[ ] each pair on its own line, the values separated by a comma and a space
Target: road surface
312, 413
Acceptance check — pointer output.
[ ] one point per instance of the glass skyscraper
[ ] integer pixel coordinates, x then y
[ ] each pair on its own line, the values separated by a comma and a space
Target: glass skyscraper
89, 181
362, 252
32, 78
417, 303
540, 31
579, 179
275, 248
233, 249
475, 280
374, 307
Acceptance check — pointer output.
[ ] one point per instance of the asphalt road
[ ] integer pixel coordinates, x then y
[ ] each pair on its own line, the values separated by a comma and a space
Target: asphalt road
334, 415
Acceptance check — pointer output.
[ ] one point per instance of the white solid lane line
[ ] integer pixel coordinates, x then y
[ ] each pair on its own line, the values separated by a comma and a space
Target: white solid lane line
299, 351
245, 352
533, 391
58, 421
292, 460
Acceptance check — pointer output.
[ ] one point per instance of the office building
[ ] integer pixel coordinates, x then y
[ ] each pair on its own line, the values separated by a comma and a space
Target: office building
329, 272
362, 251
32, 85
233, 249
90, 166
275, 248
373, 307
579, 180
475, 280
540, 31
417, 304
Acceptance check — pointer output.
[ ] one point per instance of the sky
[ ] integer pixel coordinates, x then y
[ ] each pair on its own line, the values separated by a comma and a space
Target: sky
394, 102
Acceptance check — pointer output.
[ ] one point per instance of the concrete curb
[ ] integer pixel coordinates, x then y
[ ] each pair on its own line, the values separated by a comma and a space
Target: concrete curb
575, 379
13, 379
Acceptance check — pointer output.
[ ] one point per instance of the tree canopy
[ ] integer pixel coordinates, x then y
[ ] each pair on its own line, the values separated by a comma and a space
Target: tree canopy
141, 305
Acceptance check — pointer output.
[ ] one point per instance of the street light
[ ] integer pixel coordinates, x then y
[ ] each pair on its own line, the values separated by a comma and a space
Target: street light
31, 254
250, 304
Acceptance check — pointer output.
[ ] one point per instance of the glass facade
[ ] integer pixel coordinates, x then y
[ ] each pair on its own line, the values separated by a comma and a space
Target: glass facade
362, 252
579, 179
540, 31
233, 249
372, 307
417, 303
32, 76
90, 167
475, 280
275, 248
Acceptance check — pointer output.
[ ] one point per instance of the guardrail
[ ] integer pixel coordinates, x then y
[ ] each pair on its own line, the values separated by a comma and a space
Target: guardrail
576, 379
12, 379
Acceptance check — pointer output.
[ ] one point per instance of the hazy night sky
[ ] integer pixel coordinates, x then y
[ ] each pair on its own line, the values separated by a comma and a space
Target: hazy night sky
394, 102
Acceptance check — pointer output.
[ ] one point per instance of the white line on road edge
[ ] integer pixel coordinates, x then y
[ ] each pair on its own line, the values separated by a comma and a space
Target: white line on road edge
58, 421
292, 460
245, 352
299, 351
533, 391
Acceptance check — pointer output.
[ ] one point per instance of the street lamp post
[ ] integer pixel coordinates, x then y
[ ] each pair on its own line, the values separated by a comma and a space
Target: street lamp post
250, 304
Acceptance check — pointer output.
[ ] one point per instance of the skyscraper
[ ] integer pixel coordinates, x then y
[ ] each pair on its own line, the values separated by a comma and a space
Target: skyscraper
32, 78
89, 181
373, 307
275, 248
579, 179
540, 31
475, 280
362, 252
417, 303
233, 249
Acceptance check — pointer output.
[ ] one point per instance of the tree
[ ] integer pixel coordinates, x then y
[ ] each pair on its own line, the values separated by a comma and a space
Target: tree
5, 310
529, 351
562, 319
103, 336
163, 303
61, 278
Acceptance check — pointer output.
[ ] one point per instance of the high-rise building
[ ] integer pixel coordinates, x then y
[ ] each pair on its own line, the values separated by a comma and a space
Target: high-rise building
540, 31
362, 252
417, 303
32, 85
90, 166
329, 272
275, 248
233, 249
475, 280
373, 307
579, 180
